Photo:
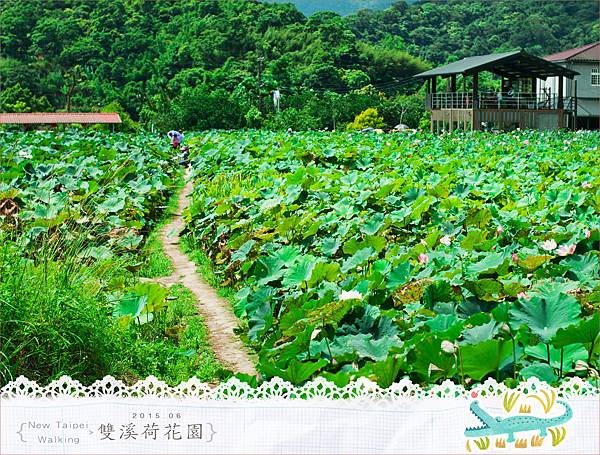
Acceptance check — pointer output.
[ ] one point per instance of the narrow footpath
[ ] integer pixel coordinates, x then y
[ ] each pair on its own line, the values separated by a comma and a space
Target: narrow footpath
218, 316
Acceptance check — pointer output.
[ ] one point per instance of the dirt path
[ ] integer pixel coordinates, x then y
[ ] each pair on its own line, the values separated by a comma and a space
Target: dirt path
218, 317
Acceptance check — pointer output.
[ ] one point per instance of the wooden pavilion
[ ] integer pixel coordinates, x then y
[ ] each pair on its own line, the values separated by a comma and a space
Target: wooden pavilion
56, 118
517, 105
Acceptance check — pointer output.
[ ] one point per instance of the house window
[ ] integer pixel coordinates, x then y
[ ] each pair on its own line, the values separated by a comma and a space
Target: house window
596, 76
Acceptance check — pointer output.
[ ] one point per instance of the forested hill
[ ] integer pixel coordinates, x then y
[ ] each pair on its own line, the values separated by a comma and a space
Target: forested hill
215, 63
191, 63
441, 30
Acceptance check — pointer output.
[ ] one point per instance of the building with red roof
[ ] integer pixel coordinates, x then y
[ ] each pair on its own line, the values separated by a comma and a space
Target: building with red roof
56, 118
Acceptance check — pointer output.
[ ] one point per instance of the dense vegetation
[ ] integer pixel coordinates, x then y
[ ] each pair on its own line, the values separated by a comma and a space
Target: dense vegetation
458, 257
75, 213
214, 63
442, 30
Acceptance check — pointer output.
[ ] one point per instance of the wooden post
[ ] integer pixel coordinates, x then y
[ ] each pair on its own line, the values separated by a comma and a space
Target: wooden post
560, 103
433, 91
575, 105
476, 91
428, 96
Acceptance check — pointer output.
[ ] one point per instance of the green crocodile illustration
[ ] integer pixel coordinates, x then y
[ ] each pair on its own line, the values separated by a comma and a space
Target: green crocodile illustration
511, 425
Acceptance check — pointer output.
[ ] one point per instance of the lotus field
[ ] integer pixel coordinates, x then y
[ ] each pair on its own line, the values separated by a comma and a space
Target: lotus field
454, 257
344, 255
108, 185
77, 215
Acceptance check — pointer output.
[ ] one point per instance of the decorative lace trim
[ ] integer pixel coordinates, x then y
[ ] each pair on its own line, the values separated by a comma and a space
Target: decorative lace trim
277, 388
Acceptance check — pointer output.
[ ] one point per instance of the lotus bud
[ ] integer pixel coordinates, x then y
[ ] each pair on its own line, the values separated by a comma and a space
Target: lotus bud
587, 233
433, 367
423, 258
505, 328
515, 257
448, 347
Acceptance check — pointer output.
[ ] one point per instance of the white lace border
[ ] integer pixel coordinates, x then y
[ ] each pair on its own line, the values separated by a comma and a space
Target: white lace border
276, 388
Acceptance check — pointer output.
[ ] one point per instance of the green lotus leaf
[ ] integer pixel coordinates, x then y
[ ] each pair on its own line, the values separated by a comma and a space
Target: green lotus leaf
539, 370
545, 315
479, 360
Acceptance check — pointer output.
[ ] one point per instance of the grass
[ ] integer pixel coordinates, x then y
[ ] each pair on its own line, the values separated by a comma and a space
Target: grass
56, 319
205, 269
156, 263
56, 315
173, 347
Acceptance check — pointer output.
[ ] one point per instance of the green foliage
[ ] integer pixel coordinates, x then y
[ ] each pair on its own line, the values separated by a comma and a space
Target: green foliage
380, 254
368, 118
404, 109
194, 65
127, 123
476, 27
71, 245
190, 65
18, 99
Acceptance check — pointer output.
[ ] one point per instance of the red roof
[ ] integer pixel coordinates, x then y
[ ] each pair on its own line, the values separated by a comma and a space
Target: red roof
59, 117
587, 52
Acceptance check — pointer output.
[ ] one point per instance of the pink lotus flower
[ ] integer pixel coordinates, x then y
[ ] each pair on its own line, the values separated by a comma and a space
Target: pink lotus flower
515, 257
587, 185
549, 245
423, 258
523, 295
445, 240
499, 230
587, 233
525, 142
566, 250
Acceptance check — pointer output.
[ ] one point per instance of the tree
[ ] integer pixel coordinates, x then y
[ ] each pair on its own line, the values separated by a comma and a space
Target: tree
368, 118
18, 99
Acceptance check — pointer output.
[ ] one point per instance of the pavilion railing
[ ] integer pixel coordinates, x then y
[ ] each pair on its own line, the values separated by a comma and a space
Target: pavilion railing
497, 100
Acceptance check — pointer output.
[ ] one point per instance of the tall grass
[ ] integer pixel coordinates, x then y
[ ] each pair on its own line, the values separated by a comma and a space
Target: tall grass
56, 318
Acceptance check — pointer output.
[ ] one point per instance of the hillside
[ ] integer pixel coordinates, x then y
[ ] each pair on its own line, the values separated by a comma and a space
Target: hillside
438, 30
216, 63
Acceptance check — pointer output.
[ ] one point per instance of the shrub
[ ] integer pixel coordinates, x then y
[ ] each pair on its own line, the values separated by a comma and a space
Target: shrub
367, 118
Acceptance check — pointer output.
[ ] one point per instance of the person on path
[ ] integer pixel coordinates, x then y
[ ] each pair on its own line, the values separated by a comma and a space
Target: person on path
185, 157
176, 138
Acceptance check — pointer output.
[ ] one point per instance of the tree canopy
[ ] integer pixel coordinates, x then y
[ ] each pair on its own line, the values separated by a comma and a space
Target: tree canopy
216, 63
